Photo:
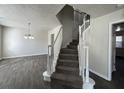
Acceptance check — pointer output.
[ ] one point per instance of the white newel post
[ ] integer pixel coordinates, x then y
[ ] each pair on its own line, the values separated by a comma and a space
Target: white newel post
88, 82
50, 57
87, 64
79, 46
53, 53
47, 73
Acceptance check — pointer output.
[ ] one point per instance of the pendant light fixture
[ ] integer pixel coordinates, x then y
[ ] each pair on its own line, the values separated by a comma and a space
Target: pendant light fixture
29, 35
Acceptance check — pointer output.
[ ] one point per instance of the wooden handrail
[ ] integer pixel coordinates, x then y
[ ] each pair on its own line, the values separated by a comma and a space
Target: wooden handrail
55, 39
51, 53
57, 36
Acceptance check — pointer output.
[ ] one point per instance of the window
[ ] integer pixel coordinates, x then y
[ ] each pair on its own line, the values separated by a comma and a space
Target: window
118, 41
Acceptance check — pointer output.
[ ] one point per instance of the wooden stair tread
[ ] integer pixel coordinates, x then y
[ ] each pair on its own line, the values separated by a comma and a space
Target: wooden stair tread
67, 60
66, 77
68, 68
63, 54
69, 48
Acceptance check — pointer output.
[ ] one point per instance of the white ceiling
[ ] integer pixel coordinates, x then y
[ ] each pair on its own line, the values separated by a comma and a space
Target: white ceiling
43, 17
96, 10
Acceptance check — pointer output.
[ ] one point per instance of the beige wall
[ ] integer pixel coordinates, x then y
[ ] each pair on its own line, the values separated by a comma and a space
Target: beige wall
66, 17
15, 45
98, 39
67, 31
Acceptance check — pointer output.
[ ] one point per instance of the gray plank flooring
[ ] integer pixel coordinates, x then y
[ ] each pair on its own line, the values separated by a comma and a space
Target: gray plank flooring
23, 73
26, 73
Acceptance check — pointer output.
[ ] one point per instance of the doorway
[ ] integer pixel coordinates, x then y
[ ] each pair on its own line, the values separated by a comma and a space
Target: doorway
116, 67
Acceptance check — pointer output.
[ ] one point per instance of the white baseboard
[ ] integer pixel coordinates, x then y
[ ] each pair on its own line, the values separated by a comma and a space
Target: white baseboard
23, 56
100, 75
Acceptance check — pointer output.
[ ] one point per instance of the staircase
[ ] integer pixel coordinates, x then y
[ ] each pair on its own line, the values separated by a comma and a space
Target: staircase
67, 69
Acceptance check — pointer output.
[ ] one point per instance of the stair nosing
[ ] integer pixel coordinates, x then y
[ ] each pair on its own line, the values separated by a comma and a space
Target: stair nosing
66, 75
68, 54
67, 60
67, 68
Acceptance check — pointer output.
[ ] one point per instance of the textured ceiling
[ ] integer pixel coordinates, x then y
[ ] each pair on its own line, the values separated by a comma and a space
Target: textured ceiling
43, 16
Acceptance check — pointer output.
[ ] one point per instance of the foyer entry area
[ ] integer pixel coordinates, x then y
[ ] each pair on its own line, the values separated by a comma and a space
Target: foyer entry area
26, 73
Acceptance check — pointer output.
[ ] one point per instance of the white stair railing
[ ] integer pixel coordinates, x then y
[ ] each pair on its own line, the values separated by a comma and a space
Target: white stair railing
53, 53
83, 52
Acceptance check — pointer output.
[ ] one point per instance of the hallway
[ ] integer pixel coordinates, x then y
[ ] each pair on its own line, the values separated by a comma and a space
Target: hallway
117, 77
116, 83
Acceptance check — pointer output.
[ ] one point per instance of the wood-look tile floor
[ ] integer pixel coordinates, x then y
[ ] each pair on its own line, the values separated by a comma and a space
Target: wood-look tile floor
26, 73
23, 73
